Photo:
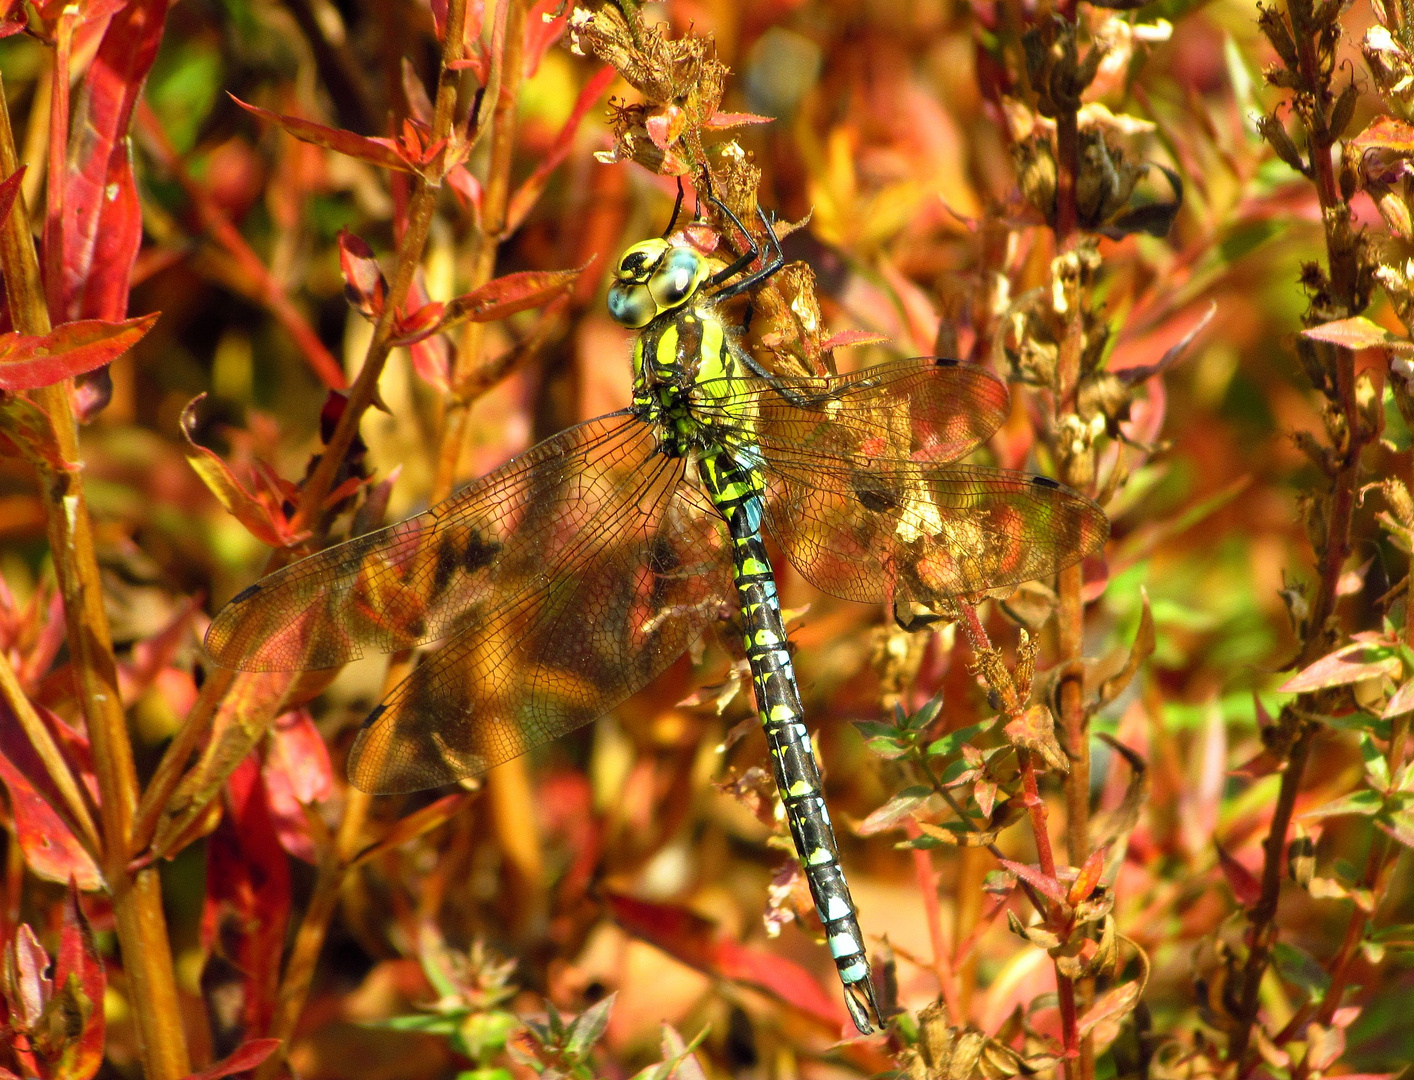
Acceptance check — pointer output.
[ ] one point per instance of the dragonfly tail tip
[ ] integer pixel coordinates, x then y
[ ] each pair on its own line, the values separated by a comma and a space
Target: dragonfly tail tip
862, 1005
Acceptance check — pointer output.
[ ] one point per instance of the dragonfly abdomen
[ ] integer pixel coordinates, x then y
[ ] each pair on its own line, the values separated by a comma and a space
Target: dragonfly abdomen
736, 494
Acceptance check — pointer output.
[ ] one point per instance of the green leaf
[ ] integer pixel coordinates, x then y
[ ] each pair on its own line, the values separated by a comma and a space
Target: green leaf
1376, 768
588, 1028
1399, 826
485, 1033
427, 1023
926, 714
1359, 721
950, 742
1365, 803
1298, 967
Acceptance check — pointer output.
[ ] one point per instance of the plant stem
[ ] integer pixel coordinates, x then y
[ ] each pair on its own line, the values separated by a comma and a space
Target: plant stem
942, 960
54, 764
485, 243
1261, 931
508, 788
333, 867
1036, 808
137, 898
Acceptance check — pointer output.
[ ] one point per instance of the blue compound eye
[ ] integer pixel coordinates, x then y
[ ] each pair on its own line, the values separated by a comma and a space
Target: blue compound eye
631, 305
676, 277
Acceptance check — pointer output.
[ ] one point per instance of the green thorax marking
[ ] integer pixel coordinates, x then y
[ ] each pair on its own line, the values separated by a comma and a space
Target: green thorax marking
684, 354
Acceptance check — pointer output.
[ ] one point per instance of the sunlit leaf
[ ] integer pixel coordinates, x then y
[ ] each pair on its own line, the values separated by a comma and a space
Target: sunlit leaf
29, 362
1357, 333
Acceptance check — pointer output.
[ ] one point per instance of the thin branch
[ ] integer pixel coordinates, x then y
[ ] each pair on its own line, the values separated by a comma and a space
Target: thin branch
54, 764
314, 926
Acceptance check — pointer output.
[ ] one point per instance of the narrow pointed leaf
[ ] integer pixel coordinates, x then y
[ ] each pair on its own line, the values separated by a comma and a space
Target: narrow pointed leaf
28, 362
384, 153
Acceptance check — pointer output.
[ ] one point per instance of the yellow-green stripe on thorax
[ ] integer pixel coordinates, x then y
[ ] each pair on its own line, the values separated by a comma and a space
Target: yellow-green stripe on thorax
684, 353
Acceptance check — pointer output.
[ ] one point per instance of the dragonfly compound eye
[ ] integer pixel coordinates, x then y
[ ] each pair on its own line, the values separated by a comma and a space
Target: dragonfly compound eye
677, 277
631, 304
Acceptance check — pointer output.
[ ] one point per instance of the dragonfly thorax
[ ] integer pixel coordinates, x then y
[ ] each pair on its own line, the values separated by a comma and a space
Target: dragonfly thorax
687, 372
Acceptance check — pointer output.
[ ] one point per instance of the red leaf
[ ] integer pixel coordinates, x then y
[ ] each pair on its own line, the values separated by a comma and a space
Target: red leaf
432, 360
102, 219
247, 897
365, 288
384, 153
695, 941
260, 513
542, 29
28, 362
1088, 878
419, 104
78, 957
49, 848
297, 774
665, 125
9, 189
409, 329
244, 1058
852, 337
529, 191
13, 20
1244, 884
26, 988
508, 294
1043, 883
466, 187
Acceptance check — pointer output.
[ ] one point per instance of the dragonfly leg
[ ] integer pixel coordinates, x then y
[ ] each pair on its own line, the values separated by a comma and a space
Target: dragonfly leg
677, 209
773, 262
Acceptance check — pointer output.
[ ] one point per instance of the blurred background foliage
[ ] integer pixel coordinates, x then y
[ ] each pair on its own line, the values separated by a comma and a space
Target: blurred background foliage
891, 137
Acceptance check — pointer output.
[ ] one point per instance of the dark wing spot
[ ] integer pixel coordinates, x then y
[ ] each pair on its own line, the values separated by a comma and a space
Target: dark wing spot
448, 559
478, 553
372, 718
468, 553
873, 493
1045, 482
246, 593
662, 559
945, 361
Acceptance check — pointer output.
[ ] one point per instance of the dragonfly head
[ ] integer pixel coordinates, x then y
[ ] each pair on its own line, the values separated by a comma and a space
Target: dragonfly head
652, 277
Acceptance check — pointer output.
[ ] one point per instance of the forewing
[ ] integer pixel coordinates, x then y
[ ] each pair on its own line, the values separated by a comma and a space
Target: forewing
420, 580
924, 409
605, 612
871, 530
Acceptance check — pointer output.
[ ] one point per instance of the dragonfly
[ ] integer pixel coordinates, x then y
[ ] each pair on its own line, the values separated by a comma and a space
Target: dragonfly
565, 580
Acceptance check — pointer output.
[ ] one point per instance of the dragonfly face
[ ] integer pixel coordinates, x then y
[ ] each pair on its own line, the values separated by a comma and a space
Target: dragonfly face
653, 277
